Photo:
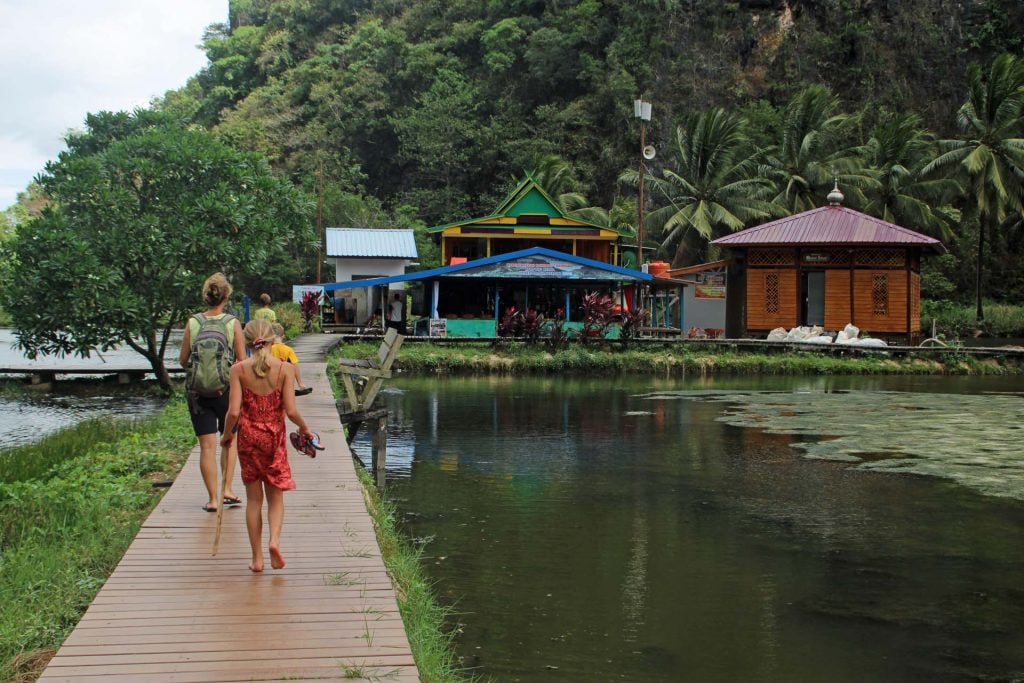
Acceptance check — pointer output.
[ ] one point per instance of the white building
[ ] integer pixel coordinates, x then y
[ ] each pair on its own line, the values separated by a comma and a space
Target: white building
365, 253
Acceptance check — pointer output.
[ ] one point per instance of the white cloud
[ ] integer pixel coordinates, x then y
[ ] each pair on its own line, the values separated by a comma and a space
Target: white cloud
63, 59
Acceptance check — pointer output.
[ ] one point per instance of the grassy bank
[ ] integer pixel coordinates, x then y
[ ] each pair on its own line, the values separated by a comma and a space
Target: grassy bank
682, 360
65, 524
424, 618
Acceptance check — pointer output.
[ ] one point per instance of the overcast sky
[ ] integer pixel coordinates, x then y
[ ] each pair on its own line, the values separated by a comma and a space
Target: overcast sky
62, 59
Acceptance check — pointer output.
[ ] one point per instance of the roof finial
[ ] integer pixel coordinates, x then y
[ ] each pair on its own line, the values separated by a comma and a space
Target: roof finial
835, 197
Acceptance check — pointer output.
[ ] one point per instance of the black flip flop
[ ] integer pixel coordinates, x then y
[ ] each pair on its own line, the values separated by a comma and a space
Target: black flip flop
232, 500
207, 508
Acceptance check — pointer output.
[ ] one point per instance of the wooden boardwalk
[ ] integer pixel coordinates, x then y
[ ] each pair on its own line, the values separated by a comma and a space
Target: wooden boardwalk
172, 613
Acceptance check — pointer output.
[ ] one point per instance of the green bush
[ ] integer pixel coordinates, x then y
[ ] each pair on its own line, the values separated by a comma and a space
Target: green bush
290, 317
957, 321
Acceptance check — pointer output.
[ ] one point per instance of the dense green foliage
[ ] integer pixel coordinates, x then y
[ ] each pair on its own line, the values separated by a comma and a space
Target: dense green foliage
63, 531
142, 211
433, 109
423, 112
957, 321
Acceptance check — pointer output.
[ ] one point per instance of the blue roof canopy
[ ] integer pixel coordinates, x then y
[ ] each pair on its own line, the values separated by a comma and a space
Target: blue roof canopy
536, 263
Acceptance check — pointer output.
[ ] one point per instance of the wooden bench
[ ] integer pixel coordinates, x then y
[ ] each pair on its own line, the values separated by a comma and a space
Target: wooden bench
369, 373
363, 379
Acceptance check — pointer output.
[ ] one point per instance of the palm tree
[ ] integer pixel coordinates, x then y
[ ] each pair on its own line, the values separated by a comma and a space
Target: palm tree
712, 185
896, 153
817, 148
989, 155
558, 179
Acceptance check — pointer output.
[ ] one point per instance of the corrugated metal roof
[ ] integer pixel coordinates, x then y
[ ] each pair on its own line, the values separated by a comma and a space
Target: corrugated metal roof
828, 225
615, 273
371, 243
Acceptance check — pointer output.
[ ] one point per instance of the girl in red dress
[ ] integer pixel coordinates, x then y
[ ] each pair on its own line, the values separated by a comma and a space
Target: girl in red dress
262, 393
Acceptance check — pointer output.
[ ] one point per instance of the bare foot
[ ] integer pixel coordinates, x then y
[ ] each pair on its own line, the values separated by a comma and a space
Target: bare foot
276, 558
256, 566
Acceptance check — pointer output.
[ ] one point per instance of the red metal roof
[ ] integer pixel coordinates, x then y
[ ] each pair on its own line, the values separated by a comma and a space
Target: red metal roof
828, 225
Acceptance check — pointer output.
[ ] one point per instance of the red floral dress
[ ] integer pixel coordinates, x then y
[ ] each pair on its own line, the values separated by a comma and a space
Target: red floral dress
261, 443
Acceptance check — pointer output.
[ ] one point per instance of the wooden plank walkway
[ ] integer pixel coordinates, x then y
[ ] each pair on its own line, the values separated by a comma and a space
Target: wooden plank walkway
171, 612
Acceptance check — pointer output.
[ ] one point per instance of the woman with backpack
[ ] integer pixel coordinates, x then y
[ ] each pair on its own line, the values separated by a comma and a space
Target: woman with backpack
212, 342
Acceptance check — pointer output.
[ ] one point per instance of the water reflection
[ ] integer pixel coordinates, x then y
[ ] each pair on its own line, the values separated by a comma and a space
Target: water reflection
28, 419
584, 531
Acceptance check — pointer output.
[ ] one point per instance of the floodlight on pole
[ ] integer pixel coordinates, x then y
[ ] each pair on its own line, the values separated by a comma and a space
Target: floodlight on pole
641, 111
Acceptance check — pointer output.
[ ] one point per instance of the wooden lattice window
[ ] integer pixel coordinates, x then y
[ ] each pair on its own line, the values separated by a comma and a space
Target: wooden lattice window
771, 293
880, 294
881, 257
770, 257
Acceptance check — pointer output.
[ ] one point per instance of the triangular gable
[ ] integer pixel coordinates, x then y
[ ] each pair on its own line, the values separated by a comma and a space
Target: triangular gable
528, 199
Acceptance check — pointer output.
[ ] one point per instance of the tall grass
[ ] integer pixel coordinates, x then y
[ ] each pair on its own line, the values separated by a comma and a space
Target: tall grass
34, 460
425, 620
958, 321
62, 533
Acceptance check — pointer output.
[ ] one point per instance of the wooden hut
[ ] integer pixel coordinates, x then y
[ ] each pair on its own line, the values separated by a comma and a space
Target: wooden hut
828, 266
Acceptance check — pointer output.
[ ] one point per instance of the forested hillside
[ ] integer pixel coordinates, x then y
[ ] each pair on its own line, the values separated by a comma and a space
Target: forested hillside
426, 111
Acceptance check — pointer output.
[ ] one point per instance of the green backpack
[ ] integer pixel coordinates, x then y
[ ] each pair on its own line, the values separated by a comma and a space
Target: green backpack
210, 361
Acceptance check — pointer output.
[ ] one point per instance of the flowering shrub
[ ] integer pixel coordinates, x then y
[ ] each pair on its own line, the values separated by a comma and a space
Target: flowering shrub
598, 314
310, 307
632, 321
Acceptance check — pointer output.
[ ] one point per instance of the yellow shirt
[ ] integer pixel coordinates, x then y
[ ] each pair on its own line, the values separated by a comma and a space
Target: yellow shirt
285, 353
265, 313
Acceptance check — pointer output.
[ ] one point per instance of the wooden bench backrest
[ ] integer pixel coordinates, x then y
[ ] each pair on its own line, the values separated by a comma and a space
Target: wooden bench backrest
385, 347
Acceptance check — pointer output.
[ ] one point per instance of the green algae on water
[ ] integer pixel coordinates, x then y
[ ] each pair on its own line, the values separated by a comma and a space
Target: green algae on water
974, 440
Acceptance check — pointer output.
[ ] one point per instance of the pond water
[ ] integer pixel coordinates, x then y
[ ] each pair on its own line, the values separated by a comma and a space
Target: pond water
29, 417
775, 530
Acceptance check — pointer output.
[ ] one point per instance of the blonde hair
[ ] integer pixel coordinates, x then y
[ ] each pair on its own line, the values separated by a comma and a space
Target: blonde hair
278, 331
259, 336
216, 289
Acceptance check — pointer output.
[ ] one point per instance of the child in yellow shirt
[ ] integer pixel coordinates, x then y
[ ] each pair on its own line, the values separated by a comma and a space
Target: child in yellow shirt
285, 353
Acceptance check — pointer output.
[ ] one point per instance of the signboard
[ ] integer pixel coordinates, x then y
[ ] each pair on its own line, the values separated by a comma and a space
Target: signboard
299, 290
709, 286
438, 327
539, 266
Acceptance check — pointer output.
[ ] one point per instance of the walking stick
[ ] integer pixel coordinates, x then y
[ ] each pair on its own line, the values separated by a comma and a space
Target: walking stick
223, 487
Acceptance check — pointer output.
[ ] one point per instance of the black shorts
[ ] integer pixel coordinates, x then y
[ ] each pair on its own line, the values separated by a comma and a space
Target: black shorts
208, 413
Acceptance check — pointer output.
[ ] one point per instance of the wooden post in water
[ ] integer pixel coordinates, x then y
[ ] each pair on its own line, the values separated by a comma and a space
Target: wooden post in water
380, 450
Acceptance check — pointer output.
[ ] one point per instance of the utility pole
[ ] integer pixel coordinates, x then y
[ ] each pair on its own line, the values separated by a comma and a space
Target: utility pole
319, 216
641, 111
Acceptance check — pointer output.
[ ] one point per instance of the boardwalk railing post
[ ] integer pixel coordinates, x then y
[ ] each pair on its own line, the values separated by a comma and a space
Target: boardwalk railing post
380, 450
